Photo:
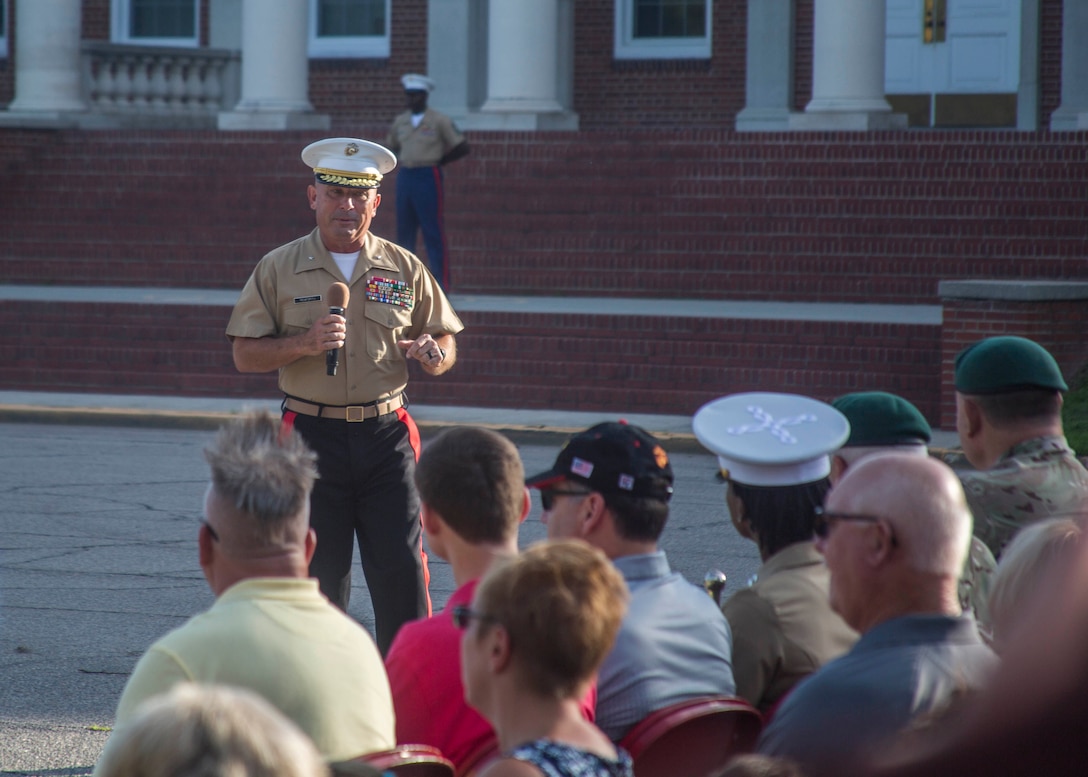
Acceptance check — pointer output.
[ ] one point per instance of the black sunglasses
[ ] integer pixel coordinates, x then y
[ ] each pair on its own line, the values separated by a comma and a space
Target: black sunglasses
463, 615
548, 495
821, 525
211, 529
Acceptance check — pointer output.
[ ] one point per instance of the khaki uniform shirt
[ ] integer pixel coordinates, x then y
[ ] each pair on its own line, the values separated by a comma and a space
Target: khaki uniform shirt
393, 297
1038, 478
783, 626
424, 145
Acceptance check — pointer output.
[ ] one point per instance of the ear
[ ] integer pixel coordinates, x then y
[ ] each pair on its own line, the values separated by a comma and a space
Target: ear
593, 514
498, 649
973, 417
432, 524
311, 195
526, 505
879, 544
205, 546
838, 468
736, 514
310, 545
377, 199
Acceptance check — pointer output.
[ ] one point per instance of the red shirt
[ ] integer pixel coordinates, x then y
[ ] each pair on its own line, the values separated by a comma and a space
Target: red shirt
424, 667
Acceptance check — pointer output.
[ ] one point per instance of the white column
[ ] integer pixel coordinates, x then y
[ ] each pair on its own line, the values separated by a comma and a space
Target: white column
457, 55
47, 59
275, 69
769, 67
848, 69
523, 68
1072, 114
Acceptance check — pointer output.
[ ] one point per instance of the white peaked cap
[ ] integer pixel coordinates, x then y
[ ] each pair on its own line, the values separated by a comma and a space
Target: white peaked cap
414, 82
765, 439
350, 162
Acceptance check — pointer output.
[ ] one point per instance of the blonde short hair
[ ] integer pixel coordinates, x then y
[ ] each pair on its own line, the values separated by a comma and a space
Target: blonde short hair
1033, 553
210, 731
561, 604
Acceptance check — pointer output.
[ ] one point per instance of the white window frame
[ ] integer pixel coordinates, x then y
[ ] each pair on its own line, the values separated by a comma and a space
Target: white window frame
120, 15
349, 46
626, 46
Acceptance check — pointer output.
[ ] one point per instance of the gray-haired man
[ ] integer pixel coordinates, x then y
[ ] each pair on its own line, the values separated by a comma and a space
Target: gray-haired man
270, 630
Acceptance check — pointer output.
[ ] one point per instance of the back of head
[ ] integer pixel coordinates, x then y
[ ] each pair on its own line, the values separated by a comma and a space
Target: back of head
265, 475
781, 515
1012, 379
474, 479
923, 501
627, 466
562, 604
773, 448
210, 731
1035, 552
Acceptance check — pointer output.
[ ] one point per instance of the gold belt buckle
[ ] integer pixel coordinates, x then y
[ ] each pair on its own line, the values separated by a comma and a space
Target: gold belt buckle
355, 413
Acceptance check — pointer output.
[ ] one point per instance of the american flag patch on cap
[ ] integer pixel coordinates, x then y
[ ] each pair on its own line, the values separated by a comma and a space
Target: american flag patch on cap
581, 467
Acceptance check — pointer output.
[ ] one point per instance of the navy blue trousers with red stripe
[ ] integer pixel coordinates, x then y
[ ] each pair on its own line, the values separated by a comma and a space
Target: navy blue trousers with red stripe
366, 493
421, 208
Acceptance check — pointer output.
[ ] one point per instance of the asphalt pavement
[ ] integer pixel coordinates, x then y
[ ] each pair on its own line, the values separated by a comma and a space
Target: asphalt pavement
101, 500
98, 547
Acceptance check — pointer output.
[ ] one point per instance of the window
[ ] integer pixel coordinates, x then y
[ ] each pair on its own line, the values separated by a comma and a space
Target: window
662, 29
3, 29
156, 22
349, 28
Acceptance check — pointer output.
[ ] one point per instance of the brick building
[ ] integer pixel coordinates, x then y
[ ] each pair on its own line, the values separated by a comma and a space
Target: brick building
803, 195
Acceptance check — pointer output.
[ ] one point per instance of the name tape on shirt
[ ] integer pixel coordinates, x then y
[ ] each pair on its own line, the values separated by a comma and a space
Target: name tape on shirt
311, 298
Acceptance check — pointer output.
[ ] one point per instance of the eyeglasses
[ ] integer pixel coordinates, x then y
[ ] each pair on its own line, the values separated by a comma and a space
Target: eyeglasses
821, 526
463, 615
548, 495
211, 529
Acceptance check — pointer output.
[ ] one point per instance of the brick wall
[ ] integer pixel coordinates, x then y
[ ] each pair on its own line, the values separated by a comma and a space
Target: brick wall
96, 19
362, 91
802, 53
693, 214
1058, 326
610, 93
669, 365
1050, 59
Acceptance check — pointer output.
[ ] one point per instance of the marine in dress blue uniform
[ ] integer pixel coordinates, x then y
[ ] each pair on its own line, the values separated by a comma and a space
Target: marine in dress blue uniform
425, 140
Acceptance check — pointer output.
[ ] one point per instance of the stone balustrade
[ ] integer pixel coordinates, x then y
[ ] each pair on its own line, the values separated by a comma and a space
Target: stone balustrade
149, 86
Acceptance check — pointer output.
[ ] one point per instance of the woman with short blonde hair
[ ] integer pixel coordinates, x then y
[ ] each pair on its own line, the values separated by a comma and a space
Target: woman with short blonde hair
538, 629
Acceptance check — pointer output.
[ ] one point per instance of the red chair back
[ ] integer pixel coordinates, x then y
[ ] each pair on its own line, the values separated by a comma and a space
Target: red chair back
692, 738
486, 752
410, 761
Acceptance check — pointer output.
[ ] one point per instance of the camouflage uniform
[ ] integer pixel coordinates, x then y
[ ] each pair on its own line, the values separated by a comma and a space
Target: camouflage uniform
1038, 478
975, 581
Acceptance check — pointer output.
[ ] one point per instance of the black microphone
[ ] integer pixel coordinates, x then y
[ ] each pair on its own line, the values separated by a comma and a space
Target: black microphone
338, 295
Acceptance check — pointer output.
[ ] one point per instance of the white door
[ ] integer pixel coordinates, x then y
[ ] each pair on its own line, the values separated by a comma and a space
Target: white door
952, 47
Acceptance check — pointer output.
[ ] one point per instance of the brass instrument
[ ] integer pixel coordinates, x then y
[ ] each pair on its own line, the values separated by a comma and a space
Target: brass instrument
714, 583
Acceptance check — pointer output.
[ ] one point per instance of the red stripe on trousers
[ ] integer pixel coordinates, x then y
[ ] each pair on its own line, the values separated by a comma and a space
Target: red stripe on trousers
413, 440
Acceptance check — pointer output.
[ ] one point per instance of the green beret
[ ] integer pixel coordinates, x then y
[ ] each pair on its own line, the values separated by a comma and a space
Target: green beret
878, 418
1000, 364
